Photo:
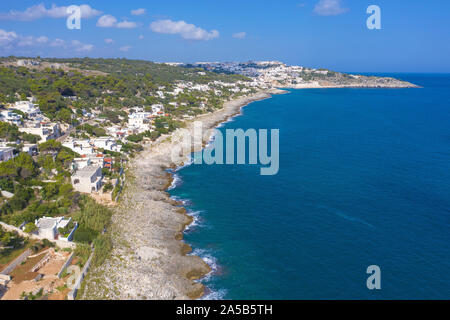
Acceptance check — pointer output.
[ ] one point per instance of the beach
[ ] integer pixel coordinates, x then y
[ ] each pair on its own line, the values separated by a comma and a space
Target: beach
150, 260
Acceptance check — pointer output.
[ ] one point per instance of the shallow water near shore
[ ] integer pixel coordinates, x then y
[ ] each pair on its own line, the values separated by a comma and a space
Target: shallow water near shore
364, 179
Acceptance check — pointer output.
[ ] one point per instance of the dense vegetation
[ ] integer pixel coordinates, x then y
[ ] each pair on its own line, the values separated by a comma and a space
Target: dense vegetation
160, 74
9, 239
34, 196
10, 132
64, 89
94, 219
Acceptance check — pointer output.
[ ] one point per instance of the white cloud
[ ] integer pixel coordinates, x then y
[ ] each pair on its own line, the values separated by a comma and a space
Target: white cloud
16, 44
57, 43
7, 37
141, 37
42, 39
26, 41
329, 8
40, 11
126, 25
81, 47
125, 48
240, 35
10, 39
12, 43
109, 21
109, 41
138, 12
185, 30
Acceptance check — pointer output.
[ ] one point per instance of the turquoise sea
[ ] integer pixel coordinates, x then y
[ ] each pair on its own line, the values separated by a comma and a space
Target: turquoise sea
364, 180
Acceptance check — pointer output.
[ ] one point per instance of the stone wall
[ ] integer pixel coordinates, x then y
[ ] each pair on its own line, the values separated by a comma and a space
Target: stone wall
59, 243
16, 262
65, 265
73, 293
42, 262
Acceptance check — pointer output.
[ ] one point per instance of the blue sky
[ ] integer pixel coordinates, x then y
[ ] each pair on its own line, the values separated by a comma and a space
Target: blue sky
314, 33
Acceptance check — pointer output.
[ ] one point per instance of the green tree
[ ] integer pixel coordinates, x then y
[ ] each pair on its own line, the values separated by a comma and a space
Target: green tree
30, 227
21, 166
49, 191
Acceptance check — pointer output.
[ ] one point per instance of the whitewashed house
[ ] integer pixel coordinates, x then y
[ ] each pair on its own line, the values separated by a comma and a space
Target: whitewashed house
82, 147
30, 148
96, 160
157, 109
27, 107
23, 63
46, 131
106, 143
80, 163
48, 227
139, 121
11, 117
88, 179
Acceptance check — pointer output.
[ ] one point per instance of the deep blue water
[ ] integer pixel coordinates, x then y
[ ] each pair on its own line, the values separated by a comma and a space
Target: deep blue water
364, 179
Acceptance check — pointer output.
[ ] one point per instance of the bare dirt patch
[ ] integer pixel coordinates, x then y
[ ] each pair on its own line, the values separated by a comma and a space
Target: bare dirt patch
23, 281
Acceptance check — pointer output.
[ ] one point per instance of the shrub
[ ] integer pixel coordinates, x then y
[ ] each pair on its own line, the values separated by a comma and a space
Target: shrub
102, 248
49, 191
83, 251
108, 187
47, 243
85, 235
30, 227
135, 138
7, 185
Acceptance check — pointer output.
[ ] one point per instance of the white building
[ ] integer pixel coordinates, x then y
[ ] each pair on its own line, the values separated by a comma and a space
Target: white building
82, 147
24, 63
27, 107
106, 143
30, 148
46, 131
88, 179
80, 163
157, 109
139, 120
48, 227
11, 117
96, 160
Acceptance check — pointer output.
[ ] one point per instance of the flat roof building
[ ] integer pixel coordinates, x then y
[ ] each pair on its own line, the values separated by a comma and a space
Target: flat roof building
87, 179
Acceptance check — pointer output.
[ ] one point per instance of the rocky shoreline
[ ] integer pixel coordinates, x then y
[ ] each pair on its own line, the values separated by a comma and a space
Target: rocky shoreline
150, 260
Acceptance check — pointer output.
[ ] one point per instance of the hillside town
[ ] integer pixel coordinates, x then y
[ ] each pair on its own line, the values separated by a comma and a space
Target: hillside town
273, 74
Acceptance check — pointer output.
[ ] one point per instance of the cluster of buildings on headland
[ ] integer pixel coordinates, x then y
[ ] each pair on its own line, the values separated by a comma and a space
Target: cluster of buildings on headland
264, 74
